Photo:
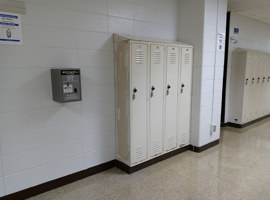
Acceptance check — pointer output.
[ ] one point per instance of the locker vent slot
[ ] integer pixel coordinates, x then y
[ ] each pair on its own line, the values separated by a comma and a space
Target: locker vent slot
139, 153
173, 58
157, 57
139, 57
171, 142
187, 59
185, 139
156, 147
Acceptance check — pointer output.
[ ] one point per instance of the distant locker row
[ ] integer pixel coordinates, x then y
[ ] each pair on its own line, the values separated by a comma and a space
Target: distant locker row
153, 98
250, 86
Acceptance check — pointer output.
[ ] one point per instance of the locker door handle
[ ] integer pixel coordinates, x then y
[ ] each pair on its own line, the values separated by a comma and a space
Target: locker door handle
258, 80
263, 79
168, 89
268, 79
182, 87
247, 81
134, 92
152, 91
253, 80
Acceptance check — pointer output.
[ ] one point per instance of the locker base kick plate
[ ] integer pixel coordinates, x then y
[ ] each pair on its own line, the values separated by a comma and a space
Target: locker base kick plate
148, 163
138, 167
234, 125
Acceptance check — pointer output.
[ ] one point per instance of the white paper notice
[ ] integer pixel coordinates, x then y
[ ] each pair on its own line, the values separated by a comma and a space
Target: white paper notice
221, 42
10, 28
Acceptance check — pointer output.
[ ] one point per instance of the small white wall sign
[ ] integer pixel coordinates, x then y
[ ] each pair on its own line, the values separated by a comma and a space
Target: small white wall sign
221, 42
10, 28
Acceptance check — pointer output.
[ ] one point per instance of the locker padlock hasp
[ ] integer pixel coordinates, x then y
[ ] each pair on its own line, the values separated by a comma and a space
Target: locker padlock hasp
66, 84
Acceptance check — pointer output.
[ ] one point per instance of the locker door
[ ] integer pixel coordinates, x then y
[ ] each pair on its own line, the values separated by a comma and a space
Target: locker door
184, 98
253, 96
248, 88
139, 63
260, 86
264, 86
171, 97
156, 98
268, 85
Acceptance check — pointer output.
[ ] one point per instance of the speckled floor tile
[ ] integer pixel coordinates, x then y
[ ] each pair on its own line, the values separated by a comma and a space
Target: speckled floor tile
237, 169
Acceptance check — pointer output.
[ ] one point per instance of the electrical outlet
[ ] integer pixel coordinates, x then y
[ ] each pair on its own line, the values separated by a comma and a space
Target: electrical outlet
213, 128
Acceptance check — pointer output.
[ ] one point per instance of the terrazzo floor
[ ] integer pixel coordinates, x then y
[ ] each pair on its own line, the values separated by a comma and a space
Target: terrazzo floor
238, 168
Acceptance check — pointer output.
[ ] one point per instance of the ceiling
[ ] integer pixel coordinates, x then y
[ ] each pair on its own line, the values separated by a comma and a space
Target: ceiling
257, 9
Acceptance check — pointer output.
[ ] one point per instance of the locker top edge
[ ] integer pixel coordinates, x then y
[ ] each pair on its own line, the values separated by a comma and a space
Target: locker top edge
242, 50
119, 38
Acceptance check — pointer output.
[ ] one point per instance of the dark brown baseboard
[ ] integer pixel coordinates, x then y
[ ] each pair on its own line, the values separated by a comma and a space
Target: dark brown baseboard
224, 124
205, 147
136, 168
44, 187
33, 191
234, 125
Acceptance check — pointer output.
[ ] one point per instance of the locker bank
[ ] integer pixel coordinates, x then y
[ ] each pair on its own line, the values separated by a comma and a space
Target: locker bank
132, 99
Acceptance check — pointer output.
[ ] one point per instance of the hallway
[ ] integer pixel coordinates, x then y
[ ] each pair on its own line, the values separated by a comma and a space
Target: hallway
238, 168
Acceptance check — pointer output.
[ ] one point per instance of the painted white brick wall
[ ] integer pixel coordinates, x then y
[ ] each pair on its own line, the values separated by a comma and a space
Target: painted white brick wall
42, 140
212, 75
253, 35
2, 186
191, 31
206, 18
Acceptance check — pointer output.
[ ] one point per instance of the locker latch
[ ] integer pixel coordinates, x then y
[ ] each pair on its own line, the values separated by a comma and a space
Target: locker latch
253, 80
268, 79
152, 91
263, 79
246, 81
258, 80
168, 89
134, 92
182, 87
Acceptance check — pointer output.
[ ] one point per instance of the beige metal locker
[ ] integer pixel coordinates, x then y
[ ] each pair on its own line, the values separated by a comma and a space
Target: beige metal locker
249, 92
149, 106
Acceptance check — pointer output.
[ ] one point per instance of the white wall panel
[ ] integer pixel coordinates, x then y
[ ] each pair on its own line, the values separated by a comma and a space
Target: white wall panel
99, 156
98, 125
56, 17
41, 36
20, 100
59, 151
65, 167
21, 121
24, 160
22, 141
67, 33
2, 187
95, 58
120, 25
63, 132
213, 17
97, 108
98, 141
36, 57
12, 79
69, 113
120, 9
26, 179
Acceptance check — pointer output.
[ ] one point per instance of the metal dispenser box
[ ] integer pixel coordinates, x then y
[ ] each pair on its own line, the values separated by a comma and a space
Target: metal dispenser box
66, 85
